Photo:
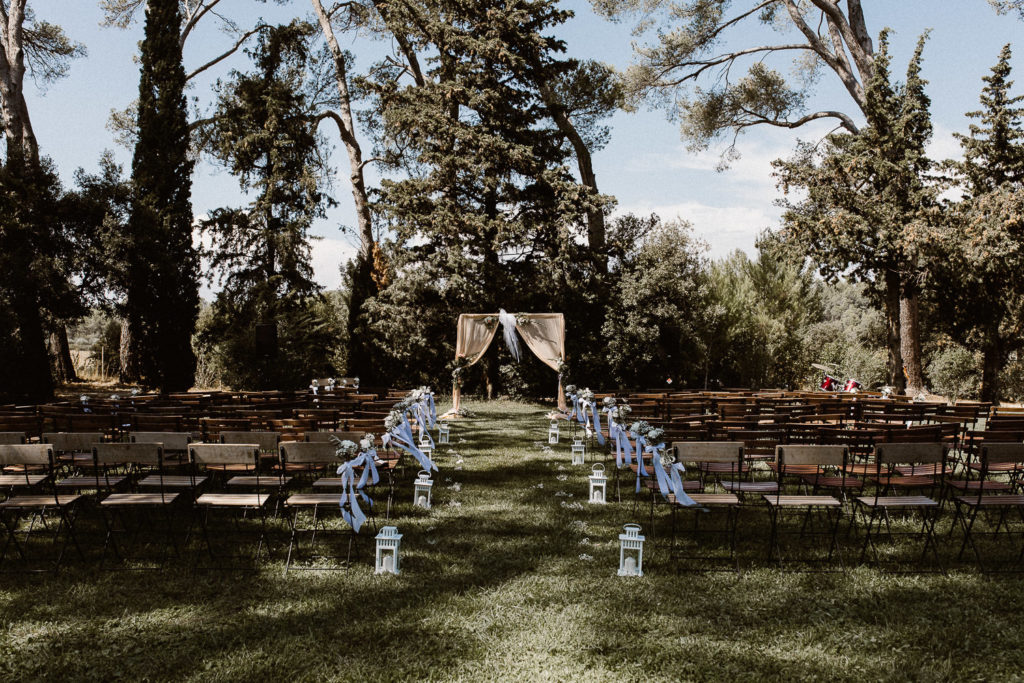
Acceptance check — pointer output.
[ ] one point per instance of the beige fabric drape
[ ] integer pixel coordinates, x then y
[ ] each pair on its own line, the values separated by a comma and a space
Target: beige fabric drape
544, 334
474, 336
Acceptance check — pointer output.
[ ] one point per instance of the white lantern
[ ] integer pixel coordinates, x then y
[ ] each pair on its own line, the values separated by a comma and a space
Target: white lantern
424, 438
443, 433
598, 485
421, 490
387, 559
579, 451
553, 432
631, 551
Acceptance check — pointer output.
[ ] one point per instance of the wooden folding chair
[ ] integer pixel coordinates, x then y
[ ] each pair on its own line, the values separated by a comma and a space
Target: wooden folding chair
825, 460
32, 458
993, 498
206, 457
319, 455
696, 455
73, 449
142, 508
877, 508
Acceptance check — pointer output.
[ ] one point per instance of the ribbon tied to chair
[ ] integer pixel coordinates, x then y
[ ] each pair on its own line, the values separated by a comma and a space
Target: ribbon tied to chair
353, 489
401, 436
671, 481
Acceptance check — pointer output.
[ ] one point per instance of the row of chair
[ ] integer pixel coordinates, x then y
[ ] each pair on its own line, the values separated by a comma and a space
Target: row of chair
136, 485
906, 478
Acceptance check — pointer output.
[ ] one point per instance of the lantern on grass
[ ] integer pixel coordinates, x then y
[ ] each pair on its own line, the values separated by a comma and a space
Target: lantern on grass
387, 559
553, 432
598, 485
631, 551
421, 490
444, 432
579, 450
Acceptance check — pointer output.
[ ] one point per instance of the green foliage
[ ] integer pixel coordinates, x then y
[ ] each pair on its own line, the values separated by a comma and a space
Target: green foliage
764, 312
955, 372
850, 336
264, 133
162, 289
656, 311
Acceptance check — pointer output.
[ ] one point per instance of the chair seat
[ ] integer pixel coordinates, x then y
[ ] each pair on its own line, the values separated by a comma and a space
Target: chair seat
232, 499
22, 480
992, 501
751, 486
171, 481
139, 499
327, 483
976, 485
38, 501
997, 466
259, 481
87, 482
688, 485
913, 481
231, 468
897, 501
714, 499
802, 501
834, 482
306, 499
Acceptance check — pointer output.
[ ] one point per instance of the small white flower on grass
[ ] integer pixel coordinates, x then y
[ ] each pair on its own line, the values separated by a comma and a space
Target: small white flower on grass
577, 525
584, 541
447, 479
459, 461
454, 504
561, 494
562, 477
585, 557
458, 467
571, 506
430, 528
456, 487
539, 486
432, 541
561, 468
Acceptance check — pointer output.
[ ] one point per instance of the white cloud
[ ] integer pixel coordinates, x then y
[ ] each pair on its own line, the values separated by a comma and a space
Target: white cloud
328, 257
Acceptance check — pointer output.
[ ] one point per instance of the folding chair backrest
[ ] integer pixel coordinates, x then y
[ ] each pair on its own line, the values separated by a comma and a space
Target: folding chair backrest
267, 441
12, 437
323, 437
224, 454
171, 441
81, 442
308, 452
134, 453
709, 451
26, 454
811, 454
1002, 452
907, 453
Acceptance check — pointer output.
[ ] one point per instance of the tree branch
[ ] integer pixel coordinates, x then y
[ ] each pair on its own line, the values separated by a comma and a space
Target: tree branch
203, 8
230, 51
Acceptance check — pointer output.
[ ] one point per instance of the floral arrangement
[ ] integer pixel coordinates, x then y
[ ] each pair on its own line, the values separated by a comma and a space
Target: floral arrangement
640, 428
524, 320
570, 389
622, 411
560, 366
459, 369
655, 435
367, 442
345, 450
394, 418
608, 401
491, 320
586, 395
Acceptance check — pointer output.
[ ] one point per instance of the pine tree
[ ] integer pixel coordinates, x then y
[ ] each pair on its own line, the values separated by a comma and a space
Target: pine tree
980, 251
265, 134
162, 291
867, 195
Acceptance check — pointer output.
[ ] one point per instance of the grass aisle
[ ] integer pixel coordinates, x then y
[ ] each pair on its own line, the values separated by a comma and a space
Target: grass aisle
493, 587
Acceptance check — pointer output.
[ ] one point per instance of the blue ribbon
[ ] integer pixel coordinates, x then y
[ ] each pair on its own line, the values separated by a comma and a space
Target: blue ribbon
597, 423
641, 443
352, 490
671, 481
401, 435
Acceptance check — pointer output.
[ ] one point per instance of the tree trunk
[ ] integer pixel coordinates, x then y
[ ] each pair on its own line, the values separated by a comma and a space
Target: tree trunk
60, 355
910, 342
894, 362
362, 286
128, 353
993, 359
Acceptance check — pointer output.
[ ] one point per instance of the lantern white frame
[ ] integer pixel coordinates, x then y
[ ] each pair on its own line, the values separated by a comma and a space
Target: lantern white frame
579, 451
443, 433
422, 486
553, 432
598, 485
629, 543
388, 543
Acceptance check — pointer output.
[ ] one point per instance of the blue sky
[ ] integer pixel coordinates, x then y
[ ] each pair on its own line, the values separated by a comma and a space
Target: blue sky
645, 165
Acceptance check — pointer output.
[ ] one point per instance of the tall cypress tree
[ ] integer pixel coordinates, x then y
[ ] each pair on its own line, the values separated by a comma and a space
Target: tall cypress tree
163, 294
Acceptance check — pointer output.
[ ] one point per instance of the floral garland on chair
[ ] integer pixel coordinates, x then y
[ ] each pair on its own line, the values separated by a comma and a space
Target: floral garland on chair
354, 457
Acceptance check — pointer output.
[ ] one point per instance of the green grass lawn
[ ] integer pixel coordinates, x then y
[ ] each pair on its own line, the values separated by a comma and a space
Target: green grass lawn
506, 579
